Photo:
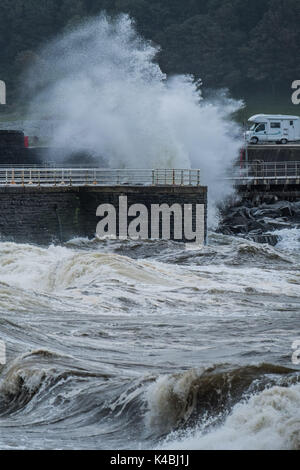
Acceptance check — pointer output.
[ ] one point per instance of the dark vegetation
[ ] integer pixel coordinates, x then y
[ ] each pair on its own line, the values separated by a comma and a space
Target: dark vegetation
250, 47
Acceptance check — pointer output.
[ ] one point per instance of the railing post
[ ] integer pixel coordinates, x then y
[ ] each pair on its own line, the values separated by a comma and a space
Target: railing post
198, 177
13, 177
153, 178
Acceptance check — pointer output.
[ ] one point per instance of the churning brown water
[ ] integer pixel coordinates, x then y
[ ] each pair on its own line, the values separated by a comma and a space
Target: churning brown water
146, 345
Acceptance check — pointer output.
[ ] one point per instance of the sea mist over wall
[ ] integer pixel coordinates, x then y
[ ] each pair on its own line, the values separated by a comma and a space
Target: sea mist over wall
106, 94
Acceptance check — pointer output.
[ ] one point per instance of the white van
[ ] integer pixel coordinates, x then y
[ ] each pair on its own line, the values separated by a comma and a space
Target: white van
273, 128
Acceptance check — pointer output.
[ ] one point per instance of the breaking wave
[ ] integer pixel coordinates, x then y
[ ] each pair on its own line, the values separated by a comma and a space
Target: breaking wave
252, 407
104, 90
269, 420
86, 327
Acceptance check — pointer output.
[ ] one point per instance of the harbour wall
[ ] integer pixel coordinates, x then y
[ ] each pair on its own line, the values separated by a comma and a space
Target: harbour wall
45, 215
272, 153
268, 193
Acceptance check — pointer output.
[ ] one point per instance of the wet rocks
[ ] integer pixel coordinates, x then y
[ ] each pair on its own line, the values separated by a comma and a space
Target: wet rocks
257, 222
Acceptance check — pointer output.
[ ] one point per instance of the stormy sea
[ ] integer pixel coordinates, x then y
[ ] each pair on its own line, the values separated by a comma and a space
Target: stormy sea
147, 345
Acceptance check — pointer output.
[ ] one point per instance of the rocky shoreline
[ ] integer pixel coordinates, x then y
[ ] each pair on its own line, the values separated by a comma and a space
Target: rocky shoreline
258, 220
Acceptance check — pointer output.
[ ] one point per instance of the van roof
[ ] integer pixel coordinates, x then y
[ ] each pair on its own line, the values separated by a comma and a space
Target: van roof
260, 117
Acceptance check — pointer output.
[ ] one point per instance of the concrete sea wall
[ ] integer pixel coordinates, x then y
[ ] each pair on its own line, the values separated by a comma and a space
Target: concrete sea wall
273, 153
45, 215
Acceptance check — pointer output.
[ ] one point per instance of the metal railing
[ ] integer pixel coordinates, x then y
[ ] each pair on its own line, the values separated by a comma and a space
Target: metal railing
46, 164
274, 171
97, 177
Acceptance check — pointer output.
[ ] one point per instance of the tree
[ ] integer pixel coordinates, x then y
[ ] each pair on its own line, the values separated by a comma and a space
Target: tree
201, 47
274, 45
227, 43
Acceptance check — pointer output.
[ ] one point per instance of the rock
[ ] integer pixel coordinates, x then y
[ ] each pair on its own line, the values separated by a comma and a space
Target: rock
256, 222
264, 238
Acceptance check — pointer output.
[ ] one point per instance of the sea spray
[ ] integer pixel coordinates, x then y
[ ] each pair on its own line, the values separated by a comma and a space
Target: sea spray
107, 95
269, 420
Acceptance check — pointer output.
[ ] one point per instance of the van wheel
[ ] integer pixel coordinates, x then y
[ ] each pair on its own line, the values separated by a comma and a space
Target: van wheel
254, 140
284, 141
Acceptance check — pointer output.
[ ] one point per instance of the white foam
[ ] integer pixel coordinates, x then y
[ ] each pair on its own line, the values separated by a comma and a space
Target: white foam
289, 239
267, 421
57, 268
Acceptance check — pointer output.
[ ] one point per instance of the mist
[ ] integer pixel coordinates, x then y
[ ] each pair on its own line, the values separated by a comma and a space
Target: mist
106, 94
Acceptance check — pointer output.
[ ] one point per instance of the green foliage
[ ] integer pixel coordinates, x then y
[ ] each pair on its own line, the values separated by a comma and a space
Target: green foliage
240, 44
277, 38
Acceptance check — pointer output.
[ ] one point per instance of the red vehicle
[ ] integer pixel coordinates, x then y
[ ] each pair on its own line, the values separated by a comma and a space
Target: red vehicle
15, 139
